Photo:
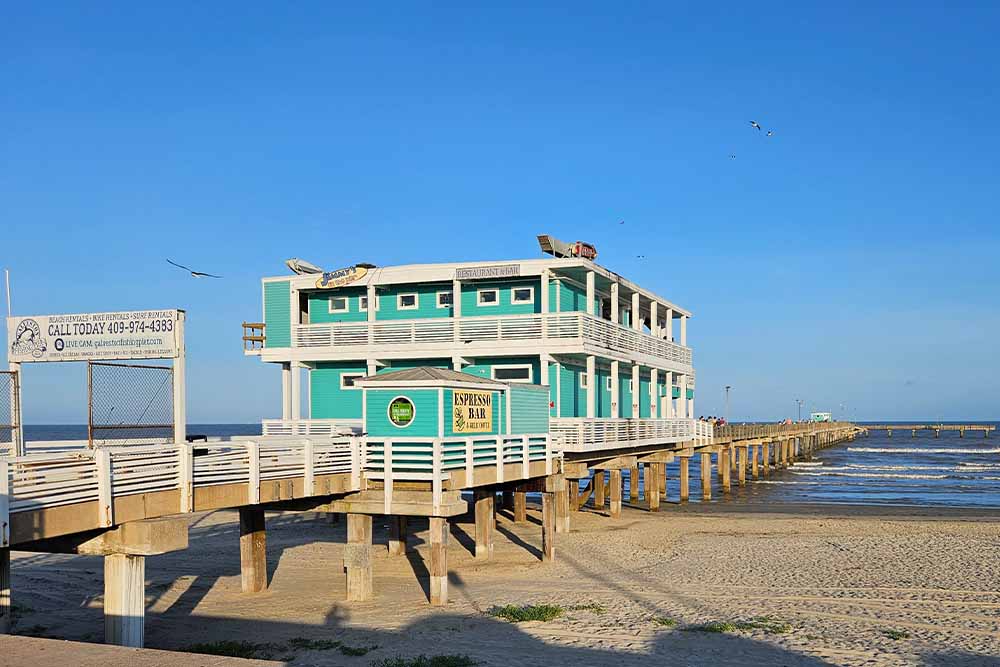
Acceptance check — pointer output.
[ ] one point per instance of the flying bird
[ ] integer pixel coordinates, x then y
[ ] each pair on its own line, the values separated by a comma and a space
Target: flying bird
640, 257
732, 157
622, 222
770, 133
755, 125
194, 274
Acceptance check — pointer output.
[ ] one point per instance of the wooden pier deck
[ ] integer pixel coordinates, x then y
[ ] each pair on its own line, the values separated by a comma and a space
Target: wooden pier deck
986, 429
127, 504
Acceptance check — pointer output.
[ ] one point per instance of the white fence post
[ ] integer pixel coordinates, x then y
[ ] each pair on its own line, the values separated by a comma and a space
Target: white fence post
308, 471
105, 496
185, 476
387, 475
525, 451
470, 463
253, 481
358, 447
498, 453
4, 504
436, 480
548, 454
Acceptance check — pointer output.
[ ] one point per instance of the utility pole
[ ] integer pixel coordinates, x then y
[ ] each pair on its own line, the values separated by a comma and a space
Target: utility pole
799, 401
728, 387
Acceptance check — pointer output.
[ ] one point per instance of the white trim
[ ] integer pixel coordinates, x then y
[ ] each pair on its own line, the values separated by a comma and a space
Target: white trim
447, 293
333, 297
354, 374
583, 380
479, 296
363, 303
529, 301
399, 301
531, 373
608, 383
388, 413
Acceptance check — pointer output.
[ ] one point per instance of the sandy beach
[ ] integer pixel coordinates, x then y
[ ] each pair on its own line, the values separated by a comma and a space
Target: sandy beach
855, 586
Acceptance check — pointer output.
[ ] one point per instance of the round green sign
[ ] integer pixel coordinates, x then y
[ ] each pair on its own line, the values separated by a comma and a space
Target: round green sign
401, 411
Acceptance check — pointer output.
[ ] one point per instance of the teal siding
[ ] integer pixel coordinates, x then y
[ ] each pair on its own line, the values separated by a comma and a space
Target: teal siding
483, 366
471, 307
625, 393
399, 364
603, 407
552, 390
319, 305
426, 301
499, 416
572, 297
574, 398
528, 409
690, 393
425, 420
644, 393
326, 399
675, 392
277, 314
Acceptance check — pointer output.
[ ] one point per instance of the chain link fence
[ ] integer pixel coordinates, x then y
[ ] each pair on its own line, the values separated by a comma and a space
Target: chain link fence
129, 404
10, 412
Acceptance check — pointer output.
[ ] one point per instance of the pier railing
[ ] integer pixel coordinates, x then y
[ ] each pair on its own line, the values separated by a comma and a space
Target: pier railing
581, 328
752, 431
582, 434
310, 427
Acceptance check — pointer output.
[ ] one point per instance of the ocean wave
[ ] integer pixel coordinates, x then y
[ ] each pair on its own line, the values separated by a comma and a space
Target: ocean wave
913, 450
872, 475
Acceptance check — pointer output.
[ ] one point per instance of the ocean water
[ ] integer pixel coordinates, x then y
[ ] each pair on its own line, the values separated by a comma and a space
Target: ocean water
37, 432
902, 470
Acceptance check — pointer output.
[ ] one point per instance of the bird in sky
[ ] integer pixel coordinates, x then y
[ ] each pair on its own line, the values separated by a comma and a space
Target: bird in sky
755, 125
732, 157
770, 133
640, 257
194, 274
622, 222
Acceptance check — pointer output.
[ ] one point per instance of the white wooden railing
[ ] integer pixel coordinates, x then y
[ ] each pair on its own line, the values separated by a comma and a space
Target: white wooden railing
310, 427
581, 434
581, 327
433, 459
39, 481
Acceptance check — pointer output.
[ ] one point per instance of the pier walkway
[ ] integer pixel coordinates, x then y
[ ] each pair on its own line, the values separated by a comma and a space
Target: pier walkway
128, 503
937, 428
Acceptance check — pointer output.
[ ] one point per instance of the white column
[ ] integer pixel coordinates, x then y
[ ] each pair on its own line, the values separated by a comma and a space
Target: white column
371, 302
456, 308
667, 402
635, 391
614, 303
296, 411
456, 363
124, 600
636, 318
558, 388
669, 320
590, 292
544, 304
615, 393
654, 319
286, 391
654, 394
180, 388
684, 330
543, 366
682, 401
371, 366
591, 384
558, 292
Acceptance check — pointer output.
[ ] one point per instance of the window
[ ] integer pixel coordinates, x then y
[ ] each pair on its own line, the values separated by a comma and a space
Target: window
487, 297
444, 299
347, 380
407, 302
363, 303
522, 295
340, 304
513, 373
608, 382
583, 380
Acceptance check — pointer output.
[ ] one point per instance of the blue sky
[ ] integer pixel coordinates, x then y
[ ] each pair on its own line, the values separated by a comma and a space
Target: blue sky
849, 259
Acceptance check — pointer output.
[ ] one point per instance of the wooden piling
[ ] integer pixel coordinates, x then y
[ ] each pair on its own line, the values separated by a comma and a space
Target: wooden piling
724, 464
520, 505
742, 472
548, 527
599, 486
616, 493
439, 561
766, 456
562, 504
685, 481
662, 486
653, 486
358, 558
5, 600
633, 484
484, 499
706, 476
397, 535
253, 550
754, 465
124, 600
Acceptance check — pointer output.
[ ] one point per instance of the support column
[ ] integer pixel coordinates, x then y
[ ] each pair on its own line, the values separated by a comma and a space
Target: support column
439, 560
636, 319
706, 476
653, 486
615, 391
484, 522
179, 390
548, 526
742, 472
124, 600
654, 319
591, 292
615, 316
720, 458
663, 481
616, 493
5, 603
296, 386
520, 505
682, 403
754, 464
635, 391
253, 550
654, 393
358, 558
724, 465
684, 330
668, 320
684, 479
561, 495
766, 456
456, 307
286, 391
599, 489
397, 535
633, 484
591, 386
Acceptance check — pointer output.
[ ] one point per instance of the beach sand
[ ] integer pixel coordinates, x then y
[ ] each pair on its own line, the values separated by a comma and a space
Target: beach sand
844, 579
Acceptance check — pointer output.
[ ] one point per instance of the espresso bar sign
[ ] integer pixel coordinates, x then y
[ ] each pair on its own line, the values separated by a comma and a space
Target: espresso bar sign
472, 411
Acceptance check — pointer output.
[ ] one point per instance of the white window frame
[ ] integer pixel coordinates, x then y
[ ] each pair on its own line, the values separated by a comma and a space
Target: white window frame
353, 374
446, 305
531, 373
345, 309
583, 380
363, 303
416, 301
529, 301
479, 297
608, 382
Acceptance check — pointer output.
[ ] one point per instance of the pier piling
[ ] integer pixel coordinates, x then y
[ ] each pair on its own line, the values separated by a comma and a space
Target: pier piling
484, 499
742, 466
124, 600
253, 550
520, 505
358, 557
439, 561
706, 476
653, 486
397, 535
685, 481
633, 484
5, 601
616, 493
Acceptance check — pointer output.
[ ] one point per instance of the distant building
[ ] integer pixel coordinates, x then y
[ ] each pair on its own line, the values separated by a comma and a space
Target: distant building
821, 417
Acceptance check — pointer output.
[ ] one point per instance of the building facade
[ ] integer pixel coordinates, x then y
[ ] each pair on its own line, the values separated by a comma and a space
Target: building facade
613, 355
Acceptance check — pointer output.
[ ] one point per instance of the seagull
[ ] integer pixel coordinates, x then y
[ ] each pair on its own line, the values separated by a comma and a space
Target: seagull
755, 125
770, 133
732, 157
194, 274
622, 222
640, 257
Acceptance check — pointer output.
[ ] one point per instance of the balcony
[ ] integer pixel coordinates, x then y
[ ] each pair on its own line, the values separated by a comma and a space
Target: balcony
559, 332
581, 434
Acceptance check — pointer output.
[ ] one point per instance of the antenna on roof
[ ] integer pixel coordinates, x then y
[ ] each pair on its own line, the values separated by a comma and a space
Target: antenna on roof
301, 266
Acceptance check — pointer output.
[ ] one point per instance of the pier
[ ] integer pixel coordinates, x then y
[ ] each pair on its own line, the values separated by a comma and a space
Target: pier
985, 429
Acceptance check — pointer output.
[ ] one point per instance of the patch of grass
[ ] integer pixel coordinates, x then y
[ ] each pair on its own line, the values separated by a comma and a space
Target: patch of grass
594, 607
425, 661
531, 612
34, 631
306, 644
664, 621
356, 650
233, 649
896, 634
768, 625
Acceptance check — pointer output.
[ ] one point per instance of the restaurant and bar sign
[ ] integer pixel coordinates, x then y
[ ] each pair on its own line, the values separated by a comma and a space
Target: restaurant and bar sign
141, 334
472, 411
495, 271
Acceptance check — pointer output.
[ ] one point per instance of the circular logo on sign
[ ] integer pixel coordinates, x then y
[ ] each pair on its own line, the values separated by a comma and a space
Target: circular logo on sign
60, 344
28, 339
401, 411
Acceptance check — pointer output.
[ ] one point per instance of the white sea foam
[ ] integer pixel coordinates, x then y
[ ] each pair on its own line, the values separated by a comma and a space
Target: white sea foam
807, 464
908, 450
869, 475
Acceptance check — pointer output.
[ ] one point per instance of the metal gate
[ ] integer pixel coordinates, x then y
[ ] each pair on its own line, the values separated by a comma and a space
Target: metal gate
129, 404
10, 412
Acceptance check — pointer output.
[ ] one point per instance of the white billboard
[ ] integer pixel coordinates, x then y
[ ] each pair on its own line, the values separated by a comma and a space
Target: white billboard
141, 334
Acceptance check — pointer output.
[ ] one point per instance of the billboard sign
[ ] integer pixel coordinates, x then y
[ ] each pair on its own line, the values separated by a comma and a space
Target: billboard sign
141, 334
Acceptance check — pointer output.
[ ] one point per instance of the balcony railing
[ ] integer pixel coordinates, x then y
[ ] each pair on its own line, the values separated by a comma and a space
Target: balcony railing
310, 427
582, 434
580, 327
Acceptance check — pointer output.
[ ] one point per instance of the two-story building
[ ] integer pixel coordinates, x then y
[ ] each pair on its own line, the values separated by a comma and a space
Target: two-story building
613, 354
